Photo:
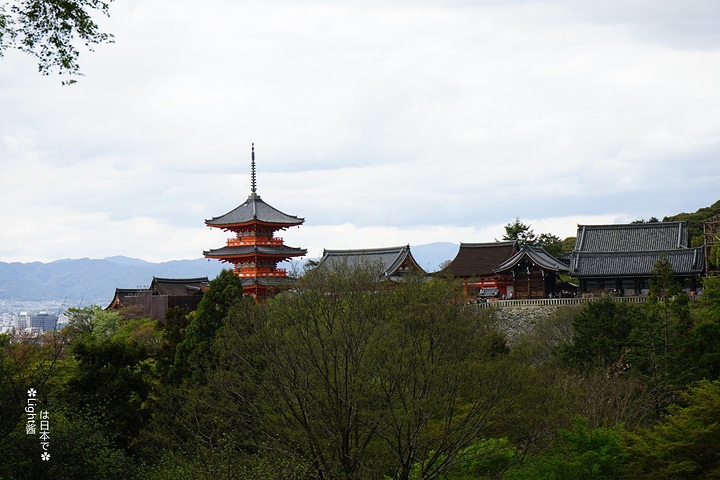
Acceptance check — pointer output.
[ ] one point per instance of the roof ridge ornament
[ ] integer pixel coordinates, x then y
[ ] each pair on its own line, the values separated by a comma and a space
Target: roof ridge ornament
253, 178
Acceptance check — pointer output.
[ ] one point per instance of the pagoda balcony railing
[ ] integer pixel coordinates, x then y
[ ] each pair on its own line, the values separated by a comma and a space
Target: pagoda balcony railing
236, 242
260, 272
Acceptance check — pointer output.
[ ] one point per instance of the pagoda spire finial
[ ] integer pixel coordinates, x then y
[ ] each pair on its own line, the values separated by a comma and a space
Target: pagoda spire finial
253, 184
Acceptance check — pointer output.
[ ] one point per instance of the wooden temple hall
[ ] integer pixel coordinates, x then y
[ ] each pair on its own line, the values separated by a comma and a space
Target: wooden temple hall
506, 270
254, 250
617, 259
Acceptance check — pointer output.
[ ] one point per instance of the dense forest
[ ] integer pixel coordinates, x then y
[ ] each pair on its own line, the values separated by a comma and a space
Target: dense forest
347, 378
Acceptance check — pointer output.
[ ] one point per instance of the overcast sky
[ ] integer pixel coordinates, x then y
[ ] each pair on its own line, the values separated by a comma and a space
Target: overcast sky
382, 123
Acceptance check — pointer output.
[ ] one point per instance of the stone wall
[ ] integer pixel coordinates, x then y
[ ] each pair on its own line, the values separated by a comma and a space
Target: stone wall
512, 321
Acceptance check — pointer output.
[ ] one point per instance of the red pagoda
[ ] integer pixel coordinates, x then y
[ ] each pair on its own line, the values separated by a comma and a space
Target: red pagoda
254, 250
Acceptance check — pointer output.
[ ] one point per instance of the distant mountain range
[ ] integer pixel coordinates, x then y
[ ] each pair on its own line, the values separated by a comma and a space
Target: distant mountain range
94, 281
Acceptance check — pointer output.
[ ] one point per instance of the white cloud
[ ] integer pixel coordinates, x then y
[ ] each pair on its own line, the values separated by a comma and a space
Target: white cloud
406, 122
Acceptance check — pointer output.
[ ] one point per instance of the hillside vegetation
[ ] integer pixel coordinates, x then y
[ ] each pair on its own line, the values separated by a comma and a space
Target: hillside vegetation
695, 221
345, 378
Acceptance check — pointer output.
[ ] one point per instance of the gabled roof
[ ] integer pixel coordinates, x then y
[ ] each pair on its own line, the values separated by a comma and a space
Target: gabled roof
536, 255
633, 249
244, 250
632, 237
389, 259
479, 259
254, 210
178, 287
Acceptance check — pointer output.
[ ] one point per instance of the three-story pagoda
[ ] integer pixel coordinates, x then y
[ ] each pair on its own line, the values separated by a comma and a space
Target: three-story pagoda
255, 251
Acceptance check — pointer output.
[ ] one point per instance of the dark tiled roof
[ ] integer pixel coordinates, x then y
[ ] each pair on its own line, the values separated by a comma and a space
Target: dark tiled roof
271, 250
178, 287
389, 259
129, 291
121, 295
479, 259
254, 209
632, 237
538, 256
687, 261
633, 249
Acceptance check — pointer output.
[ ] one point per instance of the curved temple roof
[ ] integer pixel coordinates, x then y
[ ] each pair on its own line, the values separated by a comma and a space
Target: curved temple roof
538, 256
479, 259
254, 210
243, 250
389, 259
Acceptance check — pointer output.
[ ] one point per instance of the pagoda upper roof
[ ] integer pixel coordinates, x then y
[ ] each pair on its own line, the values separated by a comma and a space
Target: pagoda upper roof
245, 250
254, 209
479, 259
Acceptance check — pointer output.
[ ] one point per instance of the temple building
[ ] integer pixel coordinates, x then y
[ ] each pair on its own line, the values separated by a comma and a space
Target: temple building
475, 264
622, 257
392, 263
254, 250
534, 271
162, 295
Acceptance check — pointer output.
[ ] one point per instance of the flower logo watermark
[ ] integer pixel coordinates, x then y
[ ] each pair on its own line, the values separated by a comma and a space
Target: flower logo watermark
45, 457
32, 392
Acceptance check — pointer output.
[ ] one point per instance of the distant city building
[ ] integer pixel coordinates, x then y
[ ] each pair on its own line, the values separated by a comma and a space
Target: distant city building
7, 329
254, 250
36, 322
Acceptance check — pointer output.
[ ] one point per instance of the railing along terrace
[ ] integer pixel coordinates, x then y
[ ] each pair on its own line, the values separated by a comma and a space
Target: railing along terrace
539, 302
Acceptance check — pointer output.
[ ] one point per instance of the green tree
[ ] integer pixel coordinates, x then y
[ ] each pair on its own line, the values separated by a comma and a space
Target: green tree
552, 244
602, 334
172, 330
578, 453
520, 232
49, 31
658, 353
28, 363
685, 444
111, 378
524, 235
81, 447
568, 244
704, 351
362, 378
224, 292
709, 300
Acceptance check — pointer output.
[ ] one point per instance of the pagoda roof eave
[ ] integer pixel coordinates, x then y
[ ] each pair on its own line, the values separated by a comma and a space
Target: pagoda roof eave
254, 210
232, 226
273, 251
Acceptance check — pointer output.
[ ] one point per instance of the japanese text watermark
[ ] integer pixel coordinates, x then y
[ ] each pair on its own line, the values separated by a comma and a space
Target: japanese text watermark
39, 421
